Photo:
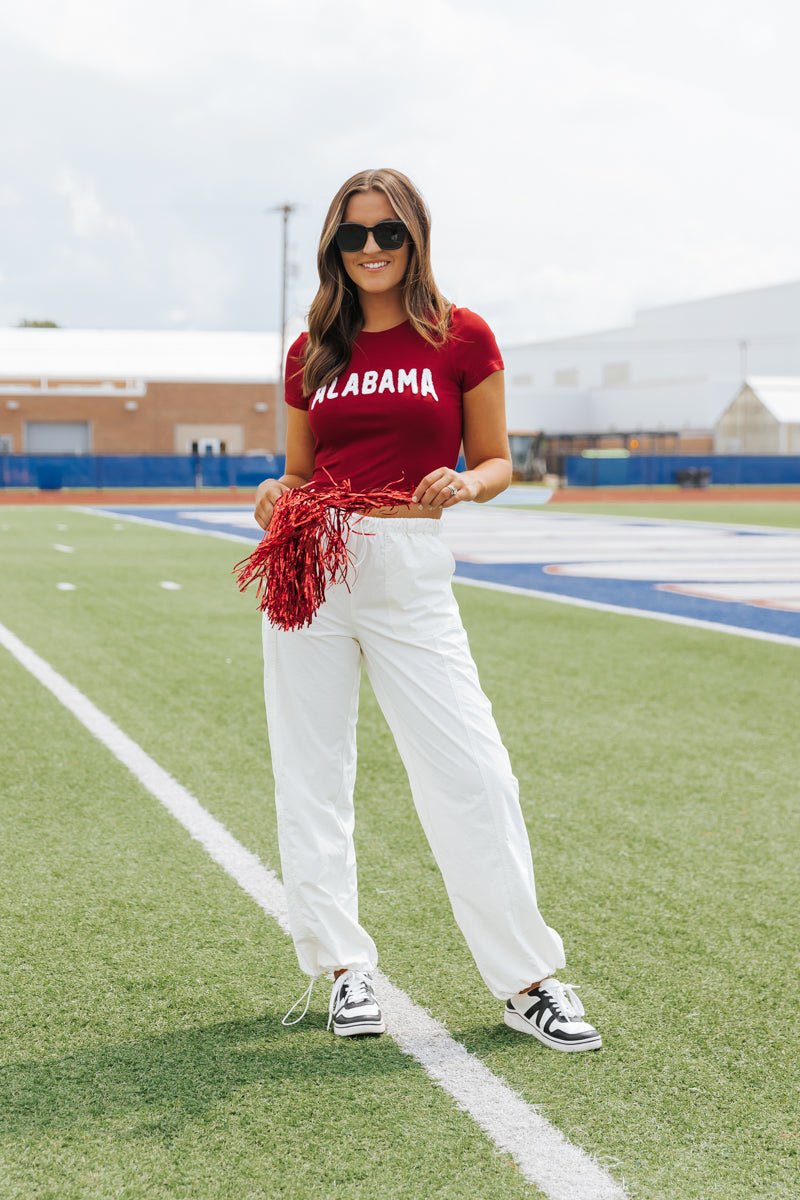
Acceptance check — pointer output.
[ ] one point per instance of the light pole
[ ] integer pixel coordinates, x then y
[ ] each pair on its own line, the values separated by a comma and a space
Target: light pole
280, 413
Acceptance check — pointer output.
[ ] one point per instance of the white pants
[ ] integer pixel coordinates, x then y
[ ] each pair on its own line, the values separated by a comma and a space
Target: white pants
400, 616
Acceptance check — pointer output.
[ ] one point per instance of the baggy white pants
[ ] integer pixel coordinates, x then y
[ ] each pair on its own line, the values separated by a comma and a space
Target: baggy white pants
400, 616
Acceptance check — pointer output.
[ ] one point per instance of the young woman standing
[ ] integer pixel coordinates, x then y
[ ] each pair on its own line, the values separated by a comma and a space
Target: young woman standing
384, 388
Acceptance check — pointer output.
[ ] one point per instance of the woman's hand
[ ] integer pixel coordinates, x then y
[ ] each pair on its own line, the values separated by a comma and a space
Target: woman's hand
445, 487
486, 452
267, 494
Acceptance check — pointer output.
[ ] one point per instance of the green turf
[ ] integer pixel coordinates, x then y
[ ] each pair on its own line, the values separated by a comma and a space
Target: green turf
658, 777
782, 513
143, 1050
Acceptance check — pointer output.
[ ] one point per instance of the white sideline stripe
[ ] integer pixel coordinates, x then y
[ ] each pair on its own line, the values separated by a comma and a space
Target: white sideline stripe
671, 618
545, 1157
173, 525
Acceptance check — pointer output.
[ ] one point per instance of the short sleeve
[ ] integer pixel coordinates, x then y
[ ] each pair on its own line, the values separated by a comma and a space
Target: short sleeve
293, 374
477, 350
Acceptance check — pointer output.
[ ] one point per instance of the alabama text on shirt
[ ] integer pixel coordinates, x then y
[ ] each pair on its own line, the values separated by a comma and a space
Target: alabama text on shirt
367, 384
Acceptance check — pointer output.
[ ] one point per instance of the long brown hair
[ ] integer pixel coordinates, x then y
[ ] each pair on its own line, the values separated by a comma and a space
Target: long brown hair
335, 317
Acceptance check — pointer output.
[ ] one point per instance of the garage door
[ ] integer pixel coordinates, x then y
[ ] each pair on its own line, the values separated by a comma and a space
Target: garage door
57, 437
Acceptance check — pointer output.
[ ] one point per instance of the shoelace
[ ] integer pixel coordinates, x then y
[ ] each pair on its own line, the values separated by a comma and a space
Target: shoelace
565, 998
307, 996
359, 987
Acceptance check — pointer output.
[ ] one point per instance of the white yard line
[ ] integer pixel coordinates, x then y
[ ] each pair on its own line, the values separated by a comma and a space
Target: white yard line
671, 618
545, 1157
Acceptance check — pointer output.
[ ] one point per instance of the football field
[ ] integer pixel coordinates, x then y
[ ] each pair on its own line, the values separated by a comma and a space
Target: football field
146, 964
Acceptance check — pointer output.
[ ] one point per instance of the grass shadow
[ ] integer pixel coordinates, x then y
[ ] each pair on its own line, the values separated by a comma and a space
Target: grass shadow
179, 1076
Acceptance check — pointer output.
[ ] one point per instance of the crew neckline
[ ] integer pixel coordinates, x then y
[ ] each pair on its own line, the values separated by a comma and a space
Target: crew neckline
378, 332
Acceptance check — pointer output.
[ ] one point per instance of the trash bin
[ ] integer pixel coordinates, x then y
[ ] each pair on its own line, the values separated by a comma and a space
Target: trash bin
49, 477
693, 477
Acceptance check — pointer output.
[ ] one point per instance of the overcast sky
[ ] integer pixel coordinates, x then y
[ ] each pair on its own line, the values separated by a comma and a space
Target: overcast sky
580, 158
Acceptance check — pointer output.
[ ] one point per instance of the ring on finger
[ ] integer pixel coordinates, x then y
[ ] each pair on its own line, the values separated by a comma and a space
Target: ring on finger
452, 490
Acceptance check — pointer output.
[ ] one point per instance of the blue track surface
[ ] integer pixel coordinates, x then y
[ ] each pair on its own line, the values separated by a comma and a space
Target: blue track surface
641, 594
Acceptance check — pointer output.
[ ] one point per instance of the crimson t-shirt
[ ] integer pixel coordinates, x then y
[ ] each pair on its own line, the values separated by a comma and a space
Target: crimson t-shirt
395, 412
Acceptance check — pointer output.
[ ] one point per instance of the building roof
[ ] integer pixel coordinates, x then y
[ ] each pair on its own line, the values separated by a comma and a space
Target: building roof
787, 287
145, 354
780, 394
736, 316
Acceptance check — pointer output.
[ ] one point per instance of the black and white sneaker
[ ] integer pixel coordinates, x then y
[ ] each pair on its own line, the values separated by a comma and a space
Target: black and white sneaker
551, 1012
353, 1007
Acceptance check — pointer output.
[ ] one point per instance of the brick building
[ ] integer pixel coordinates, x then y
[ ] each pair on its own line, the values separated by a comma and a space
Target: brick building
137, 391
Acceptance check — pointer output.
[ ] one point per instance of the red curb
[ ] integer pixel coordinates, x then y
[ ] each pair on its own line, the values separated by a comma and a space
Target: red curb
106, 496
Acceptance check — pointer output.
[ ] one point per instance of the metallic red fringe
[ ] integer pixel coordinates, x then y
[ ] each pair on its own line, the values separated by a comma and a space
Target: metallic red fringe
304, 546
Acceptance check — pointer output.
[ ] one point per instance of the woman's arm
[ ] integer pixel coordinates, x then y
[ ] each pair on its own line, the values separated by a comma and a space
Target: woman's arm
486, 450
299, 465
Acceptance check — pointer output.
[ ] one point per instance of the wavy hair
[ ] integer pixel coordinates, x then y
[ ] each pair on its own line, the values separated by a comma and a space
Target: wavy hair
335, 317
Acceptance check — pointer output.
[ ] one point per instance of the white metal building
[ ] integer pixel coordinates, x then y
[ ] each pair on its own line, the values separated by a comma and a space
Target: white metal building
676, 368
762, 418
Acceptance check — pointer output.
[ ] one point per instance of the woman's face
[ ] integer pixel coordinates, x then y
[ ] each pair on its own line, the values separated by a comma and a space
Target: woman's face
368, 208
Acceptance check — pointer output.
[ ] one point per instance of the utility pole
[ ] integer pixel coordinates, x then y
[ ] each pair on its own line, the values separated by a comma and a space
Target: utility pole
280, 414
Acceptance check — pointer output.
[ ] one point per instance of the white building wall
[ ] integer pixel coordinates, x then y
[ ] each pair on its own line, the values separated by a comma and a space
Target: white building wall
566, 409
683, 362
666, 406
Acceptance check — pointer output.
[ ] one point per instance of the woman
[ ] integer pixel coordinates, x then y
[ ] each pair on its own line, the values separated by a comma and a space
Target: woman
383, 389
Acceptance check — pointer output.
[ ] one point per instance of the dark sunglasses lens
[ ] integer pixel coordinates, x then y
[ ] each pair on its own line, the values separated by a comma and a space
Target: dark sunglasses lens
351, 237
390, 235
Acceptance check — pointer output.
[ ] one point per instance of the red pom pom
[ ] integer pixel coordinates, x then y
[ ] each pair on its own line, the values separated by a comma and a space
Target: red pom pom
305, 546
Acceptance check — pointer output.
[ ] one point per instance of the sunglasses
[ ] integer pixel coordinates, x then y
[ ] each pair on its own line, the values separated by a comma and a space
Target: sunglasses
390, 235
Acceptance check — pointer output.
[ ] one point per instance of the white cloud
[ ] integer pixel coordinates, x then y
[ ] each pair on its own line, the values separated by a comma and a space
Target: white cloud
89, 217
578, 159
9, 196
204, 278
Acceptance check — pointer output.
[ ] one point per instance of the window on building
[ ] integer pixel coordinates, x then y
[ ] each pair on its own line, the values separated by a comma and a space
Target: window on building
566, 377
523, 380
615, 374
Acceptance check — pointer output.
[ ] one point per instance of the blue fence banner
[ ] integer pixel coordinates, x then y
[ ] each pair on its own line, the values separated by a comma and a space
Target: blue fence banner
642, 470
50, 472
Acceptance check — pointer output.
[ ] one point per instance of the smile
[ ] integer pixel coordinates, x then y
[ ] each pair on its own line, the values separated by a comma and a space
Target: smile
375, 266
